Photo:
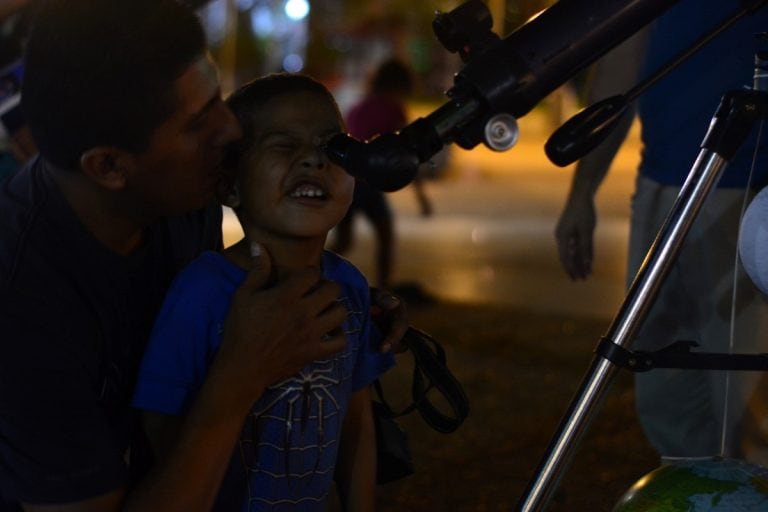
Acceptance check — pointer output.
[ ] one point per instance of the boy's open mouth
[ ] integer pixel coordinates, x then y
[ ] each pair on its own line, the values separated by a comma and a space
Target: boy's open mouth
308, 191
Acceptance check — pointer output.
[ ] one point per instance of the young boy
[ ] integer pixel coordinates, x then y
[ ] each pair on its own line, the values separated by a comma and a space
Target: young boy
316, 426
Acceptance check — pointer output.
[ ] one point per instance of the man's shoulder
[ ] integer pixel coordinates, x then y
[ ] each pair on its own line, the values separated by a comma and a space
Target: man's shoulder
193, 233
23, 226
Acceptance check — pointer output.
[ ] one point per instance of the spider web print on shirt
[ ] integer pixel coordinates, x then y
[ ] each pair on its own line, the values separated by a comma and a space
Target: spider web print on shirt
290, 441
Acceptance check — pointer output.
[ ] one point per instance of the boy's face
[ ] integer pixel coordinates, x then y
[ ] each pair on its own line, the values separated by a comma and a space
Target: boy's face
287, 186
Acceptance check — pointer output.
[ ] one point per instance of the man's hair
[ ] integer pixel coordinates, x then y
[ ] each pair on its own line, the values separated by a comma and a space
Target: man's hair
250, 97
100, 72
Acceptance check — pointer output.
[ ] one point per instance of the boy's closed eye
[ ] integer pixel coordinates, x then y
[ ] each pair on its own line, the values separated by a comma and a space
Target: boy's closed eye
285, 142
280, 143
283, 146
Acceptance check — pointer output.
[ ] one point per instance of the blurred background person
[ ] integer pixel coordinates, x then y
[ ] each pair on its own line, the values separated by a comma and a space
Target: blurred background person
382, 110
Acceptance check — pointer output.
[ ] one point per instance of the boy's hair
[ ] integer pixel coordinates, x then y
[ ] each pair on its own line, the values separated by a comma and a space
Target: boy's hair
100, 72
248, 98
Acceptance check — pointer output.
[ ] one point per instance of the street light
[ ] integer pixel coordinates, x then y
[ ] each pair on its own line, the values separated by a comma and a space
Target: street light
297, 9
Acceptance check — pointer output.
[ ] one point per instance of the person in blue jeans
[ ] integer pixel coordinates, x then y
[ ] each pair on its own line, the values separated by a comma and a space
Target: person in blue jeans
684, 413
317, 425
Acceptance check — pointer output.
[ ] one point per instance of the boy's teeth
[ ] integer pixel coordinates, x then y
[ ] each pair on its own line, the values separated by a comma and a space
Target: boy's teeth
307, 191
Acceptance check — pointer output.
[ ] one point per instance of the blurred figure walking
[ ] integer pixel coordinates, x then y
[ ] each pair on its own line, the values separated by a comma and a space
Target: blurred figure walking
382, 110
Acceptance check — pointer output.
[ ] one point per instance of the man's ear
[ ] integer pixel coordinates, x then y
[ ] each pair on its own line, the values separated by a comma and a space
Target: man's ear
106, 166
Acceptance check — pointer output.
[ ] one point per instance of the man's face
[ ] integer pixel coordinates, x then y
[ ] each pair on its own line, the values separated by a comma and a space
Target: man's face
287, 186
182, 167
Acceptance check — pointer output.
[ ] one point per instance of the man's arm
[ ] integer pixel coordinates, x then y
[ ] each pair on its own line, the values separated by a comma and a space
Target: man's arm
614, 74
268, 335
356, 466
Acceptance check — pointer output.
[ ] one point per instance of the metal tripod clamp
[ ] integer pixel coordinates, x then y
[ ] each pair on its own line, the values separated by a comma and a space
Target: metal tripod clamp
679, 355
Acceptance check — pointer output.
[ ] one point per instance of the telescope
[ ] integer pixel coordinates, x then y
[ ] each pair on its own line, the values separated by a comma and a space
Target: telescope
504, 79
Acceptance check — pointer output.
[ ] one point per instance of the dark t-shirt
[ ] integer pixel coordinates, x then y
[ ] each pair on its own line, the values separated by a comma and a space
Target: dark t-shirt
374, 115
676, 112
75, 317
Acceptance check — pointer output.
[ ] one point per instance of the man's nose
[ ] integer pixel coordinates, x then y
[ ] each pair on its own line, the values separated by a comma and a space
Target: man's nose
228, 128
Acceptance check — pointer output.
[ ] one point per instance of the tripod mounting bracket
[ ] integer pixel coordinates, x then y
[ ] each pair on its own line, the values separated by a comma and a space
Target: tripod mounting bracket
678, 355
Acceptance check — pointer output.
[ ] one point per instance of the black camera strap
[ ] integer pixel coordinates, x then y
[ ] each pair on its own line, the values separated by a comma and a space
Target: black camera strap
431, 372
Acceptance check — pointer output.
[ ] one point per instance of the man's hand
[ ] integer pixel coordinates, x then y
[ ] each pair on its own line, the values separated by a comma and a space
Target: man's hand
612, 74
574, 237
271, 333
391, 317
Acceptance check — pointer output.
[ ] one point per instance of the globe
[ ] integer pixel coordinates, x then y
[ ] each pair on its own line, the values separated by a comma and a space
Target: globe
699, 485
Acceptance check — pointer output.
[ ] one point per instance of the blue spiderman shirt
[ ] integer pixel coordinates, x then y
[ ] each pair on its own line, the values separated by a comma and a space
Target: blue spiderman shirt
286, 455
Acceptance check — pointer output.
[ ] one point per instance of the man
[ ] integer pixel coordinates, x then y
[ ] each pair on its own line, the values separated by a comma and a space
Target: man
684, 413
124, 105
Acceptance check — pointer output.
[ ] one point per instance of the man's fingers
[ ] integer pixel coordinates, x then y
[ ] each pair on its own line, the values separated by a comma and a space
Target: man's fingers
566, 245
397, 325
585, 256
329, 345
383, 299
260, 274
322, 296
330, 320
575, 255
314, 301
330, 336
391, 317
563, 253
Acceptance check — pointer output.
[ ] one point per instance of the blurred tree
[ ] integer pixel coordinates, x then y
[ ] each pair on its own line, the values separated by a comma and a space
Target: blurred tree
347, 38
343, 32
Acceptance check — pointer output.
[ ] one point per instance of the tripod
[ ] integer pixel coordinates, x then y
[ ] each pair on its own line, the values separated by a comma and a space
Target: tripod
731, 124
